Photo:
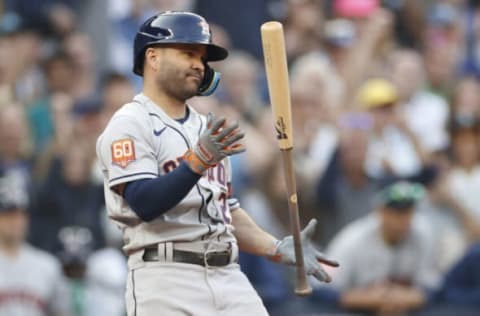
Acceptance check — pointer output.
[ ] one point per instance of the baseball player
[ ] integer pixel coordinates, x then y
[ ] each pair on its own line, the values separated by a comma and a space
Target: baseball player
167, 184
31, 281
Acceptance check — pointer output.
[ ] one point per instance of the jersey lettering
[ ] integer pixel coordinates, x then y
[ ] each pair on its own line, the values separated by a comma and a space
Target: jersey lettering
221, 174
169, 166
213, 175
123, 152
227, 218
216, 173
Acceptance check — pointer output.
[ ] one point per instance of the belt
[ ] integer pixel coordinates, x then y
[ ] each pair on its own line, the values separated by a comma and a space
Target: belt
215, 259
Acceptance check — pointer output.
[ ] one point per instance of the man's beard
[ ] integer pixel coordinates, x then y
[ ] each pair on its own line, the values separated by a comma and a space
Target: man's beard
174, 83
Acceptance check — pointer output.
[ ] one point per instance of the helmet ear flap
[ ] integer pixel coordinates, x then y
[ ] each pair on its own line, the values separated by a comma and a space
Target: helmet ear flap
210, 81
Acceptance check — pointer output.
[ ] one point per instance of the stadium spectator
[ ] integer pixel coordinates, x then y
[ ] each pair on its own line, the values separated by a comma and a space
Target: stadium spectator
78, 46
345, 192
303, 26
454, 224
338, 38
393, 149
442, 46
106, 275
67, 198
463, 180
316, 93
387, 259
15, 151
240, 87
31, 281
75, 247
424, 113
465, 102
116, 90
373, 38
59, 76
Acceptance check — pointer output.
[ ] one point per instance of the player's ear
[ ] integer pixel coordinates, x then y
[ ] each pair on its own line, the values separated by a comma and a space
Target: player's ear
152, 56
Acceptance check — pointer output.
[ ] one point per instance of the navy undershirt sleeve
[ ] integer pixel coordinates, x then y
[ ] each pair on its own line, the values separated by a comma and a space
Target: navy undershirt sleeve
150, 198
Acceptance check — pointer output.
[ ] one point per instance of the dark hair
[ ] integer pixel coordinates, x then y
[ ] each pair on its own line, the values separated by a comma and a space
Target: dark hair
113, 77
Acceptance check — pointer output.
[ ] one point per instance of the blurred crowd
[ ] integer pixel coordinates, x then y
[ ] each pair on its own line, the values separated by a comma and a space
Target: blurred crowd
383, 92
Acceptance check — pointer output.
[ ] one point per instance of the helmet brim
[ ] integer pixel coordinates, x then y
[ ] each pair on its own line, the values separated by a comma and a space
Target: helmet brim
216, 53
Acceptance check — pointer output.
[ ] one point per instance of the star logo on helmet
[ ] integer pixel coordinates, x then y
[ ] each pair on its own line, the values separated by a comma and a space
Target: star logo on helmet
205, 28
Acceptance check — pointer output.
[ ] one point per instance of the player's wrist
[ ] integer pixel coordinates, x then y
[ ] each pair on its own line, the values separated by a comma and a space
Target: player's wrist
195, 163
272, 252
205, 156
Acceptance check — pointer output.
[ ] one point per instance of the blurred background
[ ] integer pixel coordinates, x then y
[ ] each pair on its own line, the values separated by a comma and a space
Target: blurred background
381, 91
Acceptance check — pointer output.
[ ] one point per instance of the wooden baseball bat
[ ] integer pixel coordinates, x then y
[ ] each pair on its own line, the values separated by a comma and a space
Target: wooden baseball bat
278, 87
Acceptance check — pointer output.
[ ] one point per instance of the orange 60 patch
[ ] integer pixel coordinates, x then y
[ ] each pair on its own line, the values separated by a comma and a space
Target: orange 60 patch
123, 152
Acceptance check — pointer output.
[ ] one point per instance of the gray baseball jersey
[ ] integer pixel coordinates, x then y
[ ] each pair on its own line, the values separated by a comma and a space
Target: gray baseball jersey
31, 285
141, 142
366, 258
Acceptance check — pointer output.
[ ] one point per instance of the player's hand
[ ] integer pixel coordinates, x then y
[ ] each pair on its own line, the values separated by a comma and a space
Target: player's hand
219, 140
285, 253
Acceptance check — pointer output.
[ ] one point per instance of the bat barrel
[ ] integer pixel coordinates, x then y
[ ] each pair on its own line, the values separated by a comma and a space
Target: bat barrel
277, 76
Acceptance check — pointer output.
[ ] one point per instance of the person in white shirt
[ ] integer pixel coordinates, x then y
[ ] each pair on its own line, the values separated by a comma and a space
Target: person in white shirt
393, 149
31, 281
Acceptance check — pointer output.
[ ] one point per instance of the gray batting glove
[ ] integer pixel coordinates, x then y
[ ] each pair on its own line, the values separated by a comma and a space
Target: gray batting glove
285, 253
217, 142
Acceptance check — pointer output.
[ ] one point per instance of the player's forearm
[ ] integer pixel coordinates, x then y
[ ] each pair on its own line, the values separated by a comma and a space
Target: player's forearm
401, 299
359, 60
361, 299
250, 237
150, 198
383, 299
411, 298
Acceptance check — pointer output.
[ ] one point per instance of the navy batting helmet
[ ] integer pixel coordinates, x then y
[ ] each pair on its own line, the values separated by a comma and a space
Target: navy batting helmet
182, 28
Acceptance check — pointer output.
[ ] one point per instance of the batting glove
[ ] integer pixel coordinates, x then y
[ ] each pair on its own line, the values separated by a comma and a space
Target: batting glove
285, 253
217, 142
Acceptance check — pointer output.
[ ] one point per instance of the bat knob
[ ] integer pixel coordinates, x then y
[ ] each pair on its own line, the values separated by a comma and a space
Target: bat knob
304, 291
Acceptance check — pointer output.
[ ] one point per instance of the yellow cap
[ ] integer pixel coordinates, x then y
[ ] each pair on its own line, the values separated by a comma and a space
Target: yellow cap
376, 93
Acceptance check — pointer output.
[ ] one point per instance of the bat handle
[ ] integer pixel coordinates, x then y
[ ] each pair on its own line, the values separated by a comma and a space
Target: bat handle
302, 287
